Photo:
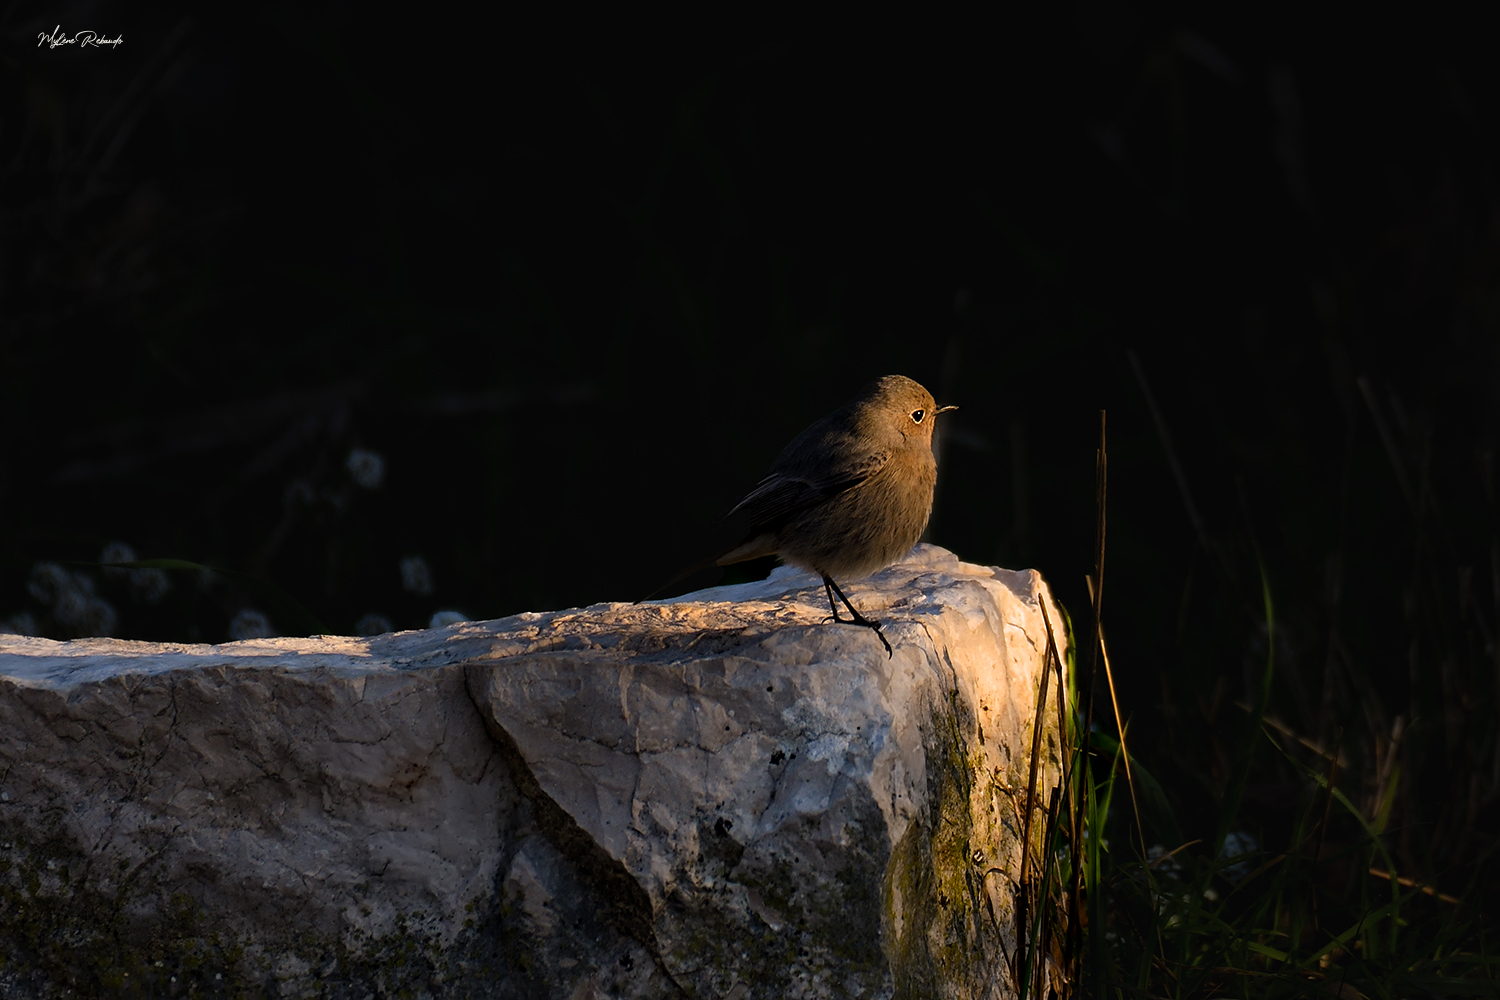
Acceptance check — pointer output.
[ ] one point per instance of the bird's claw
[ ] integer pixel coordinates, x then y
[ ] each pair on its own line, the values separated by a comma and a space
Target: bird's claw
855, 617
864, 622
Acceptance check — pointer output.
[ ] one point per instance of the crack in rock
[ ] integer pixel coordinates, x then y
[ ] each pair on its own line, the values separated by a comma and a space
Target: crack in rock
712, 796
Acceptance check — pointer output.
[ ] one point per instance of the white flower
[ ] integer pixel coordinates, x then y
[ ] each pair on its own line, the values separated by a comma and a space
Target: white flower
75, 606
442, 619
1238, 844
1170, 867
149, 585
251, 624
416, 576
47, 580
373, 624
367, 468
116, 552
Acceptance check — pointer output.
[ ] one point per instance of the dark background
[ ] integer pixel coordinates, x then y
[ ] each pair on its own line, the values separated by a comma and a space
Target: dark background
577, 290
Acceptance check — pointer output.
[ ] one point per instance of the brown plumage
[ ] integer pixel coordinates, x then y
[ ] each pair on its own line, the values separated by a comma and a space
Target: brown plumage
851, 494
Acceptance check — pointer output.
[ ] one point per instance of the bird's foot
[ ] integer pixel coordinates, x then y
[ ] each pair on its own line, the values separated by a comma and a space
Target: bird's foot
855, 617
864, 622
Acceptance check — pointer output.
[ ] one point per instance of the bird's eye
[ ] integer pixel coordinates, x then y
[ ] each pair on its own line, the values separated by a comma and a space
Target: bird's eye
917, 415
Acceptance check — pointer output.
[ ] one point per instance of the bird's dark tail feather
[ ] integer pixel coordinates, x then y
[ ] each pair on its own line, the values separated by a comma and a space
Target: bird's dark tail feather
726, 544
696, 567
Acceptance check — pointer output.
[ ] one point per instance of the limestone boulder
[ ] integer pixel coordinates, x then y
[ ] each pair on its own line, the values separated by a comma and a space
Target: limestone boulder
715, 796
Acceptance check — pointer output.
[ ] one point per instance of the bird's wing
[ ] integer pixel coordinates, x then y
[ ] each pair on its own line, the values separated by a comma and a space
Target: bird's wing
782, 494
801, 477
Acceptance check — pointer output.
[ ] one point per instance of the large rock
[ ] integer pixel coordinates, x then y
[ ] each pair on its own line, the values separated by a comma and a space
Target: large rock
717, 796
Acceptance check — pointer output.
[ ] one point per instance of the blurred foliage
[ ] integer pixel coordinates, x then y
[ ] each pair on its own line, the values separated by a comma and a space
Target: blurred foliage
573, 299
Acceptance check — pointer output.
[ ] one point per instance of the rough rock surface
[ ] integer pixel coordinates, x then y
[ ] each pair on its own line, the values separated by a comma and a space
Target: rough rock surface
717, 796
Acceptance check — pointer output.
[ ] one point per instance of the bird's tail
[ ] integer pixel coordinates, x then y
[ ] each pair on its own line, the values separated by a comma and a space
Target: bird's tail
762, 544
696, 567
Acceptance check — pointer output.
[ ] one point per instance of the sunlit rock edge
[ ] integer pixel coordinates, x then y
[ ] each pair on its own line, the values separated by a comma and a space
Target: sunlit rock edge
718, 795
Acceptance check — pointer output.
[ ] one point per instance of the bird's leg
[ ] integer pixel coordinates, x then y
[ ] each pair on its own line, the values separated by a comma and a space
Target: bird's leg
828, 589
832, 588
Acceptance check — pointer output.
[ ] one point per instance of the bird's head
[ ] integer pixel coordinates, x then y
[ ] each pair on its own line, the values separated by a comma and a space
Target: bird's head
899, 405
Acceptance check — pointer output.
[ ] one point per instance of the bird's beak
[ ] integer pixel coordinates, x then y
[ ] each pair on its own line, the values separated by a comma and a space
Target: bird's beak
943, 409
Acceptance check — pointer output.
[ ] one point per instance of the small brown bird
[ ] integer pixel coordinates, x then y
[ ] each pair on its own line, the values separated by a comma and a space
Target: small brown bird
850, 495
